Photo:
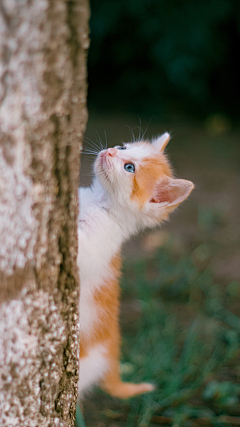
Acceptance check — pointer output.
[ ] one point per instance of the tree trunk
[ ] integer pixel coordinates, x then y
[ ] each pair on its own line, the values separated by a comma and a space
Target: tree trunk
42, 121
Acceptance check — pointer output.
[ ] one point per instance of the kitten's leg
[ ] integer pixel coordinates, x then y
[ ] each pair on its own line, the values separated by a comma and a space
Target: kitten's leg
92, 368
112, 382
113, 385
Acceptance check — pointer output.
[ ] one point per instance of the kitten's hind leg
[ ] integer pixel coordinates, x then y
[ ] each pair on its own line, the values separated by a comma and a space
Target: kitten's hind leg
113, 384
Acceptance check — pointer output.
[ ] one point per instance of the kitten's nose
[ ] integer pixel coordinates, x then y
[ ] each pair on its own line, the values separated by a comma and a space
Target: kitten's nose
112, 151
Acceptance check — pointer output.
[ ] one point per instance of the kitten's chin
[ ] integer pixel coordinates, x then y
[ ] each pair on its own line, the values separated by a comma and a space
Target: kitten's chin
102, 176
99, 168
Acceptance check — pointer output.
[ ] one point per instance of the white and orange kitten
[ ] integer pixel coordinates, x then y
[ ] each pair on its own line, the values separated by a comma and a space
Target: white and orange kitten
133, 189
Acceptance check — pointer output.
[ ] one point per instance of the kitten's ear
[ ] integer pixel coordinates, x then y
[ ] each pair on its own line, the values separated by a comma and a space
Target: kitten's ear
161, 142
170, 192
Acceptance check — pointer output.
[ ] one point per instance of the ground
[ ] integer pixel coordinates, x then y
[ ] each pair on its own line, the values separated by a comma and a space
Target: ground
181, 285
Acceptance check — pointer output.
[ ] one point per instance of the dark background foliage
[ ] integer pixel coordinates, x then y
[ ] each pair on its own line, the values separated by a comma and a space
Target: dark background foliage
161, 56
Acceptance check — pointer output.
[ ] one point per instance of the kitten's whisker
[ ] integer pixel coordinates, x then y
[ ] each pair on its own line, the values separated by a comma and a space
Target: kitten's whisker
90, 151
92, 147
87, 174
140, 129
102, 175
105, 139
99, 140
147, 127
89, 154
92, 143
131, 132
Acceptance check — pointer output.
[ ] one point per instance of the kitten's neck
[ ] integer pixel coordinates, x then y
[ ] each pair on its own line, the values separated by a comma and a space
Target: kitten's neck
121, 215
111, 214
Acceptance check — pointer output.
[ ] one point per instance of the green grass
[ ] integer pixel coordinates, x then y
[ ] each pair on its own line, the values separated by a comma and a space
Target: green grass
181, 331
79, 421
185, 334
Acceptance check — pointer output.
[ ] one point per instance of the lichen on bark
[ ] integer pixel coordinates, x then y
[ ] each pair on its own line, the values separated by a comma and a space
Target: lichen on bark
42, 121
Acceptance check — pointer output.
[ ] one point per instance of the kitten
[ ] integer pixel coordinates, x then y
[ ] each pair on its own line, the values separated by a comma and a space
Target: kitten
133, 189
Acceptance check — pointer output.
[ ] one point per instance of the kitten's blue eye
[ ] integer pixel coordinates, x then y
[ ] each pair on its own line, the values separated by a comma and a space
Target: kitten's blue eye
121, 148
129, 167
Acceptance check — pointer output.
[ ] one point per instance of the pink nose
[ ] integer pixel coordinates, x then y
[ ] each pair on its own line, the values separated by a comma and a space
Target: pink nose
112, 151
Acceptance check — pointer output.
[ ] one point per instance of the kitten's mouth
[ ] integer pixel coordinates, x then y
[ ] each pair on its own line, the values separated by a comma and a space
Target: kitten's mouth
102, 165
103, 161
103, 155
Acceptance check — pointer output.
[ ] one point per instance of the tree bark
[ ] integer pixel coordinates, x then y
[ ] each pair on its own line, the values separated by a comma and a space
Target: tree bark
43, 116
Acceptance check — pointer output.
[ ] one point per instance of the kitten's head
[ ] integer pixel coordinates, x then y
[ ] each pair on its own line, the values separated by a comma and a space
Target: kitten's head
138, 177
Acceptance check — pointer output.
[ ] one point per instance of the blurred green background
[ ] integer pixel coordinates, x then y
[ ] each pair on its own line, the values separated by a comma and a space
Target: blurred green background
155, 66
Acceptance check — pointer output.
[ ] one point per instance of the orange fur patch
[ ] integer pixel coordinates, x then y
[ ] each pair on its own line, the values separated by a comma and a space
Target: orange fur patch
146, 177
107, 305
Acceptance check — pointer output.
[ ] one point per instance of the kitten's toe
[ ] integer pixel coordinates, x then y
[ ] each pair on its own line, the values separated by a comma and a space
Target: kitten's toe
148, 387
135, 389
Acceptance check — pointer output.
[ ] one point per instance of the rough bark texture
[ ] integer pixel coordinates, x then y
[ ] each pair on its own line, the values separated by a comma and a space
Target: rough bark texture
42, 120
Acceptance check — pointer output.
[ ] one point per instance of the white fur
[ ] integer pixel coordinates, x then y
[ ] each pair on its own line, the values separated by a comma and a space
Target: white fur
107, 218
92, 368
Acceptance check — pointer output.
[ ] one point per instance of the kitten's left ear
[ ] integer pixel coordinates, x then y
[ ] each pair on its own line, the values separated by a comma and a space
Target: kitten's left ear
161, 142
170, 192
